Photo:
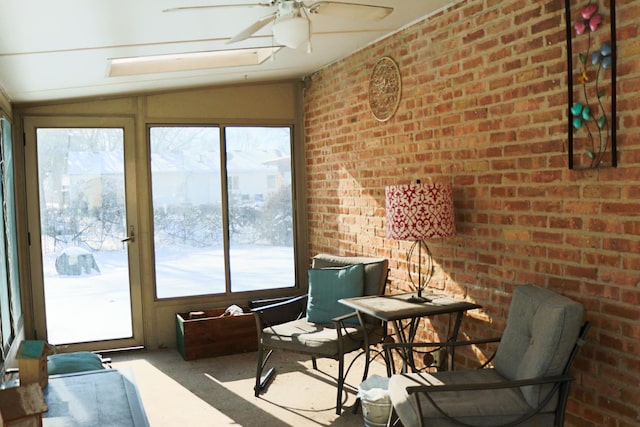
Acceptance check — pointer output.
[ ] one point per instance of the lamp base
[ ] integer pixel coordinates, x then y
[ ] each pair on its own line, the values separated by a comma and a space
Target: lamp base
418, 299
423, 279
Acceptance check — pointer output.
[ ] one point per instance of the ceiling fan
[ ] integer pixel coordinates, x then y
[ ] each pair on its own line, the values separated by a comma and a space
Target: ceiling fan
291, 22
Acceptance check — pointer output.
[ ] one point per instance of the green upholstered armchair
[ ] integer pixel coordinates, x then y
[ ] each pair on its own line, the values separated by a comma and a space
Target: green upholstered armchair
527, 385
332, 338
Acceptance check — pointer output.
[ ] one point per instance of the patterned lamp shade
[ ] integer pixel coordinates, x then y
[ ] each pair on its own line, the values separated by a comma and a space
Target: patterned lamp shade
420, 211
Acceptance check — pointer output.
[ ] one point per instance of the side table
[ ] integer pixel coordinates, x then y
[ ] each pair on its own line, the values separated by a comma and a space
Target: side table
397, 308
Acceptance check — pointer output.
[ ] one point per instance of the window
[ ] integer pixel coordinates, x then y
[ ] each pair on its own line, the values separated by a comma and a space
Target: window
10, 308
272, 182
234, 183
222, 209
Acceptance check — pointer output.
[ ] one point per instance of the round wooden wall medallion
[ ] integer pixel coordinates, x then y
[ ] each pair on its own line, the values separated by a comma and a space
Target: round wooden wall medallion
385, 88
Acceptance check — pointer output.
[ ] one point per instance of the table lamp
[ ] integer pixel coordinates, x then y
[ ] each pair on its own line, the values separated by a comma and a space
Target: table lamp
418, 212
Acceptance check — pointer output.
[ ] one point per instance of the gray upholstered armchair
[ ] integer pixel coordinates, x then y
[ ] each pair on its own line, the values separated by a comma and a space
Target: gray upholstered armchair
330, 338
528, 384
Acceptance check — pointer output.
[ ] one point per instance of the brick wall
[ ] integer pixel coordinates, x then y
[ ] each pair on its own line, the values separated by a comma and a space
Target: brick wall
483, 106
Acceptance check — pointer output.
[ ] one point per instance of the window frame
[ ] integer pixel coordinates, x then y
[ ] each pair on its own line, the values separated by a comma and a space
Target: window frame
10, 281
298, 212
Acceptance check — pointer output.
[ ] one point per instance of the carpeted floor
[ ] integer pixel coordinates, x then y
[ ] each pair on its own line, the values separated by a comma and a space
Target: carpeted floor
219, 391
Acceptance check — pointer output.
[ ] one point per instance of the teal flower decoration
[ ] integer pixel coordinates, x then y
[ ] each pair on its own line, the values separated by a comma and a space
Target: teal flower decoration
581, 113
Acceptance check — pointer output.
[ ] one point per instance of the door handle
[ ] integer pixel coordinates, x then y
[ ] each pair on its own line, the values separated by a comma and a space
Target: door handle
131, 237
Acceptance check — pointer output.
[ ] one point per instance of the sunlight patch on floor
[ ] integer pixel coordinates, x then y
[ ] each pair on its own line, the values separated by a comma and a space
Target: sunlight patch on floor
159, 390
219, 391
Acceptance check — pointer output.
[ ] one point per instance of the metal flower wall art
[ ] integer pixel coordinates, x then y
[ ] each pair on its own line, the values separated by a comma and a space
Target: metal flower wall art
592, 90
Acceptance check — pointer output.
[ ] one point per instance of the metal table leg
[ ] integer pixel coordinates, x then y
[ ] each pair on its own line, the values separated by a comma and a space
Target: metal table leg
453, 338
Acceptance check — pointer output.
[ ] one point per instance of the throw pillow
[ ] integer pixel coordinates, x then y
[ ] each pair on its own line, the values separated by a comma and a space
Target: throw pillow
66, 363
327, 286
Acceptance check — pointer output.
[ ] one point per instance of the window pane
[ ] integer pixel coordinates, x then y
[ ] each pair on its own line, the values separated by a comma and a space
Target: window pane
5, 311
10, 308
260, 208
187, 211
10, 222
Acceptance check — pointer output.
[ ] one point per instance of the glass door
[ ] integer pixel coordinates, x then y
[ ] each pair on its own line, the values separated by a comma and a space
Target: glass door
83, 232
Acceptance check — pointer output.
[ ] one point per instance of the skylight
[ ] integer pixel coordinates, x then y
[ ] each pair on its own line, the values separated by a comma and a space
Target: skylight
189, 61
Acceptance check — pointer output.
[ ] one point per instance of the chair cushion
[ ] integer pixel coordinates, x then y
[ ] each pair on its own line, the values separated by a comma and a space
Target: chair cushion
481, 407
327, 286
375, 269
541, 331
312, 338
66, 363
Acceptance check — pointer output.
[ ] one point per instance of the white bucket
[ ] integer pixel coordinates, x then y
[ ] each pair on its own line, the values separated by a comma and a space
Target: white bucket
376, 413
375, 401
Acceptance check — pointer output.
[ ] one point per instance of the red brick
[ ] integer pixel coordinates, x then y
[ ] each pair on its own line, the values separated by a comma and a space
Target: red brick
484, 105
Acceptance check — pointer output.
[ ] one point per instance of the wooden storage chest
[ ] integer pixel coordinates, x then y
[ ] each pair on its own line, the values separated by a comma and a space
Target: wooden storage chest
207, 333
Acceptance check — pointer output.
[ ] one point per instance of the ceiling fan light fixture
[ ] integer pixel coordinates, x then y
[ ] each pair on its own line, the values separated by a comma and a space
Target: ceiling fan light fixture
291, 31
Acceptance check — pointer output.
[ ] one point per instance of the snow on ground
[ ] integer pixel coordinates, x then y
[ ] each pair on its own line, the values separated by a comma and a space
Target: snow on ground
97, 306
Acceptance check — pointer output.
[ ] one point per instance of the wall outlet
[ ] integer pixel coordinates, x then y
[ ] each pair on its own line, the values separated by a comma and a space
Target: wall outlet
436, 359
440, 359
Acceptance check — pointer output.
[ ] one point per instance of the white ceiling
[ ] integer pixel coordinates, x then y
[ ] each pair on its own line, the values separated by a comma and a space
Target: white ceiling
61, 49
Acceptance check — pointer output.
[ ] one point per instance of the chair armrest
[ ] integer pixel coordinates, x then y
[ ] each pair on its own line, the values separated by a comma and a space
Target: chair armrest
426, 390
343, 333
338, 322
489, 386
344, 317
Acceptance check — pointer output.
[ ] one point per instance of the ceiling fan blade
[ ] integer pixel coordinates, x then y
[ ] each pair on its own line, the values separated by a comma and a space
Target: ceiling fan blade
350, 10
253, 28
214, 6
